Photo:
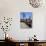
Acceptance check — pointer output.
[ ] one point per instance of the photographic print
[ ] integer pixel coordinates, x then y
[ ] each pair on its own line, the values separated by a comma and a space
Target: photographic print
36, 3
26, 19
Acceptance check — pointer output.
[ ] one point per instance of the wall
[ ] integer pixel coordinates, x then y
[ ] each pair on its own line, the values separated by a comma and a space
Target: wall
12, 8
45, 28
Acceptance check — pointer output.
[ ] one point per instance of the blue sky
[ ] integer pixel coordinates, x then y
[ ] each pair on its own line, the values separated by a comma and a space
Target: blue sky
26, 15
